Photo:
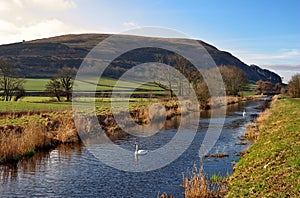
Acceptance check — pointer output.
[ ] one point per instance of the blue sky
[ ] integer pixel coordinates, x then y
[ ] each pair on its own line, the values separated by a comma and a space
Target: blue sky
263, 32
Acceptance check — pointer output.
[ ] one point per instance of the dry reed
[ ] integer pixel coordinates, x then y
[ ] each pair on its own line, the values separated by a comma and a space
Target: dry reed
47, 132
198, 186
16, 144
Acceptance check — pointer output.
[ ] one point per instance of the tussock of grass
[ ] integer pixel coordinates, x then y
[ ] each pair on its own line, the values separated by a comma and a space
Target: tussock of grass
16, 144
252, 132
271, 167
44, 131
198, 186
217, 178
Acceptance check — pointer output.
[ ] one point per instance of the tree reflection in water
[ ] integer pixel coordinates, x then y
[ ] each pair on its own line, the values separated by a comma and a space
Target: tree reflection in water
40, 160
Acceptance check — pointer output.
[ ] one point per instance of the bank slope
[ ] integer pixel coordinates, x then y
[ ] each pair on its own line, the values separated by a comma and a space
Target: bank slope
271, 167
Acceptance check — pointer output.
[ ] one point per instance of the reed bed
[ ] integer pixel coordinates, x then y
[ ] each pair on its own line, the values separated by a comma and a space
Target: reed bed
44, 131
198, 186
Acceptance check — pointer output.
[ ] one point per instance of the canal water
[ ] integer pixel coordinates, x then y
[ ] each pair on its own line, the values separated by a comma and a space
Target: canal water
72, 171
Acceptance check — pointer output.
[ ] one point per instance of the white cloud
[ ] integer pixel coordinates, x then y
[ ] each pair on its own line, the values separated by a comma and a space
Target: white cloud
130, 25
31, 19
284, 70
39, 4
40, 29
50, 4
284, 56
7, 27
284, 62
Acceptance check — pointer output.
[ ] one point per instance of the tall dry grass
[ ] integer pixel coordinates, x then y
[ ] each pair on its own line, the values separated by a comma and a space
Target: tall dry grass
198, 186
252, 130
16, 143
46, 132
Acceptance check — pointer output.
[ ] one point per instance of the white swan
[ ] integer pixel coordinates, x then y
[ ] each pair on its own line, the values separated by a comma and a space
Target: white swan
139, 152
244, 113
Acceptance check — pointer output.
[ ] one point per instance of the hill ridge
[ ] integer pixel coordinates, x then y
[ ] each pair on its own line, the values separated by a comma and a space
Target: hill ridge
43, 57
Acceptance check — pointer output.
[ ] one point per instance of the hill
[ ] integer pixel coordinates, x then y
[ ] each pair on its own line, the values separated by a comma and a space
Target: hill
43, 57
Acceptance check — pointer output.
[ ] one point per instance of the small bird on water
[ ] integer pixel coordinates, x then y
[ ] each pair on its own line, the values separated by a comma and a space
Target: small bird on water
244, 113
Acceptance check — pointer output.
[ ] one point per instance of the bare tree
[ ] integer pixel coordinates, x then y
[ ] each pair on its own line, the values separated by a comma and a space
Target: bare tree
167, 74
62, 85
202, 94
66, 77
54, 88
10, 84
181, 65
263, 87
234, 79
277, 87
294, 86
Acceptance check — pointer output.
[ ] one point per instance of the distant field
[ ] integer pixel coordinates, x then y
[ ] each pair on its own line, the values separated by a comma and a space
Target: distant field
248, 93
24, 106
32, 84
43, 104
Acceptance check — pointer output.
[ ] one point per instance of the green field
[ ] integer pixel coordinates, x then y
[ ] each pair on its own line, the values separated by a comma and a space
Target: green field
271, 167
43, 103
35, 84
25, 106
104, 84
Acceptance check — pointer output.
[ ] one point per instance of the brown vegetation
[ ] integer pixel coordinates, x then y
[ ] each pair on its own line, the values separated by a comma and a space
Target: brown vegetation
234, 79
46, 130
42, 132
294, 86
198, 186
252, 130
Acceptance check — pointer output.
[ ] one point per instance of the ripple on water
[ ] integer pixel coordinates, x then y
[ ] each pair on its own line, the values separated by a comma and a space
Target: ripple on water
72, 171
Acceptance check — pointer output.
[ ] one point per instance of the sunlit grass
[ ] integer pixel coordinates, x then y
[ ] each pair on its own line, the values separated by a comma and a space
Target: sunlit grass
102, 84
271, 166
23, 106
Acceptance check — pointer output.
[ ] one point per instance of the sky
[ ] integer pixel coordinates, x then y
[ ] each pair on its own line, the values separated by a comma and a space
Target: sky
261, 32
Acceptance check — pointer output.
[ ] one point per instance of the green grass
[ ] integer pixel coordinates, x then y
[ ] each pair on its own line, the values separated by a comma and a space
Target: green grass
24, 106
35, 84
271, 167
217, 178
248, 93
104, 84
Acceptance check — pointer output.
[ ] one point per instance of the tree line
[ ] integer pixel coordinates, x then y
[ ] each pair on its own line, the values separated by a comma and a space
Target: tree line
235, 81
12, 84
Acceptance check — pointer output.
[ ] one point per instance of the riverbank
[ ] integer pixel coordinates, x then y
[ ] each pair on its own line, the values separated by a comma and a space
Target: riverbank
270, 167
23, 133
220, 101
22, 136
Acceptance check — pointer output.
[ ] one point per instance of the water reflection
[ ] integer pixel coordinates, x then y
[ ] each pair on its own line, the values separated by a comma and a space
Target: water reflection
71, 170
39, 162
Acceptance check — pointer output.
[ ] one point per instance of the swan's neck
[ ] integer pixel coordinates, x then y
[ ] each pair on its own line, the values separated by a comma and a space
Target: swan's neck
136, 148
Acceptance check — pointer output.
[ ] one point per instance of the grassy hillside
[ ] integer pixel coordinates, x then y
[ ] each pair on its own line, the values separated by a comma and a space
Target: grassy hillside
42, 58
271, 168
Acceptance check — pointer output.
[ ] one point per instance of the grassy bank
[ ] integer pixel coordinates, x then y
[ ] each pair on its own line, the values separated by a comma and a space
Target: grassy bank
23, 136
271, 167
